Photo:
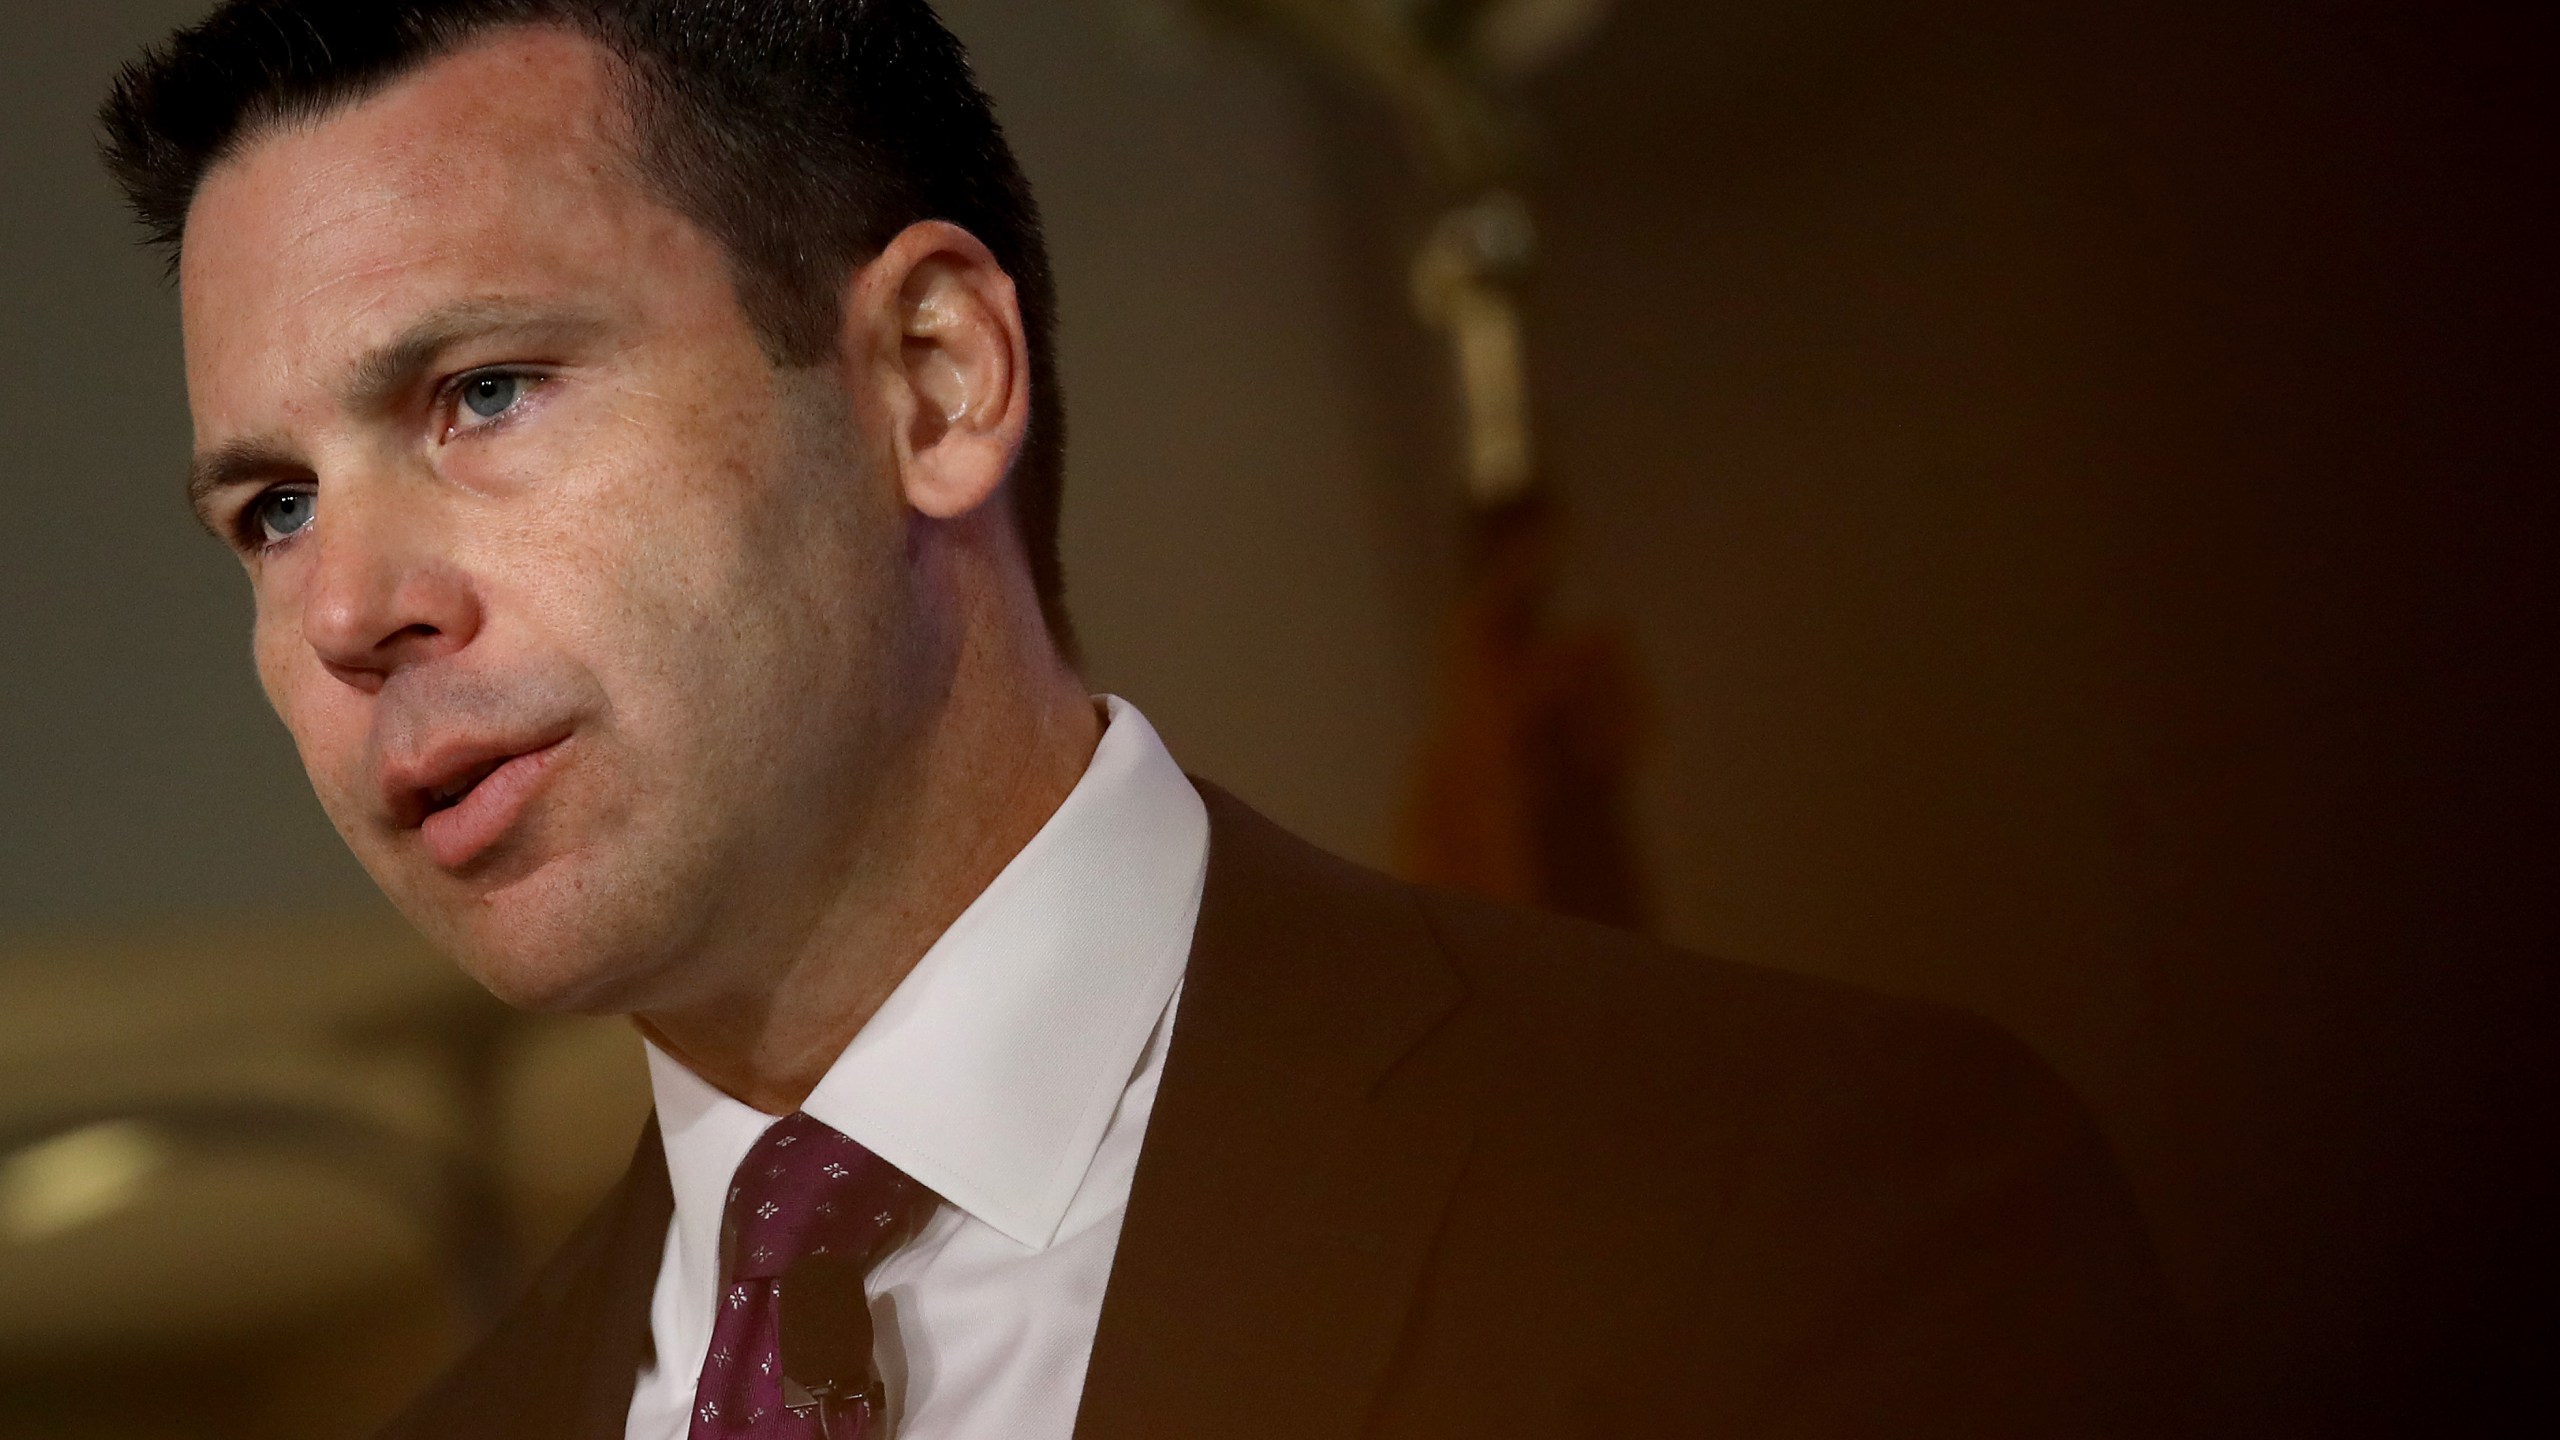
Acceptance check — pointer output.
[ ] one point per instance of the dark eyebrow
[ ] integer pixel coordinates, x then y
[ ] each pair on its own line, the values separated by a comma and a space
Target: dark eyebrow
237, 462
389, 370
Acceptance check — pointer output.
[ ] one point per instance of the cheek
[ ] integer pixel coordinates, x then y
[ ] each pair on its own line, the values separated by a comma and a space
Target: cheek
641, 540
326, 729
275, 645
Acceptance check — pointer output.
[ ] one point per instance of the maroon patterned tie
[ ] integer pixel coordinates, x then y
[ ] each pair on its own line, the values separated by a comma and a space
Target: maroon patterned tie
803, 1190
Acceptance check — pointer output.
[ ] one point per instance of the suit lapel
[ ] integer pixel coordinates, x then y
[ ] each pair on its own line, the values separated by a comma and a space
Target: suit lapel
1282, 1210
609, 1323
574, 1345
559, 1364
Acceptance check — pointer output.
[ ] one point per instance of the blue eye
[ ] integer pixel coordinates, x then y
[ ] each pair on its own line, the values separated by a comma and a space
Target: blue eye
282, 512
492, 395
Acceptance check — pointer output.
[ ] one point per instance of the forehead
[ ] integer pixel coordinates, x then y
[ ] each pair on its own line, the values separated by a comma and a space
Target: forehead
496, 171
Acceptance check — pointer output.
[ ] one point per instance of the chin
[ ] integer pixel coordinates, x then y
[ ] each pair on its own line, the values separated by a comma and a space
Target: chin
553, 942
547, 982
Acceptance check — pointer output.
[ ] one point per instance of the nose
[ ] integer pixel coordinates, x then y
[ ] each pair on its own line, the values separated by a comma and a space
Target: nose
383, 594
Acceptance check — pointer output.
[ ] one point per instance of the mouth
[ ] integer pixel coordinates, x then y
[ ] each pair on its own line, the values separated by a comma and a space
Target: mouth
436, 799
465, 802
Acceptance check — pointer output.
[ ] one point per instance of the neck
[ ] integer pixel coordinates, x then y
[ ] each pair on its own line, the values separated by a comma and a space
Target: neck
995, 761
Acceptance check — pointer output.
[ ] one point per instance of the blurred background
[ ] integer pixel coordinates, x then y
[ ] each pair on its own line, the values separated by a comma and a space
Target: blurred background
2056, 494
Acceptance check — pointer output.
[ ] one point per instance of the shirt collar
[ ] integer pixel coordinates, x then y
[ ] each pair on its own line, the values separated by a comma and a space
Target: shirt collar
992, 1070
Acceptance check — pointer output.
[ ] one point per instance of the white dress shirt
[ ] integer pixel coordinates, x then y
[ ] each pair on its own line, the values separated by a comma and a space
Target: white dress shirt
1011, 1073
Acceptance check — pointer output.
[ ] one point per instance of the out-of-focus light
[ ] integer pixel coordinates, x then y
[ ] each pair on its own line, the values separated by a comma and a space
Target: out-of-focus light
59, 1185
1519, 38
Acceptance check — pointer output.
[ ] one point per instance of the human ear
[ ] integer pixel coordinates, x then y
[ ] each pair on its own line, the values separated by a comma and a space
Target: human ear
940, 324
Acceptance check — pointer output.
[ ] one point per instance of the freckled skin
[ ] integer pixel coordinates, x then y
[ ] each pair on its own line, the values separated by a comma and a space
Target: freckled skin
780, 614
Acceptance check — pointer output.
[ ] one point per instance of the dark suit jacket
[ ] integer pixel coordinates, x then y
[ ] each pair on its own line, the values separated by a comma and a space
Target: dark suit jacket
1422, 1166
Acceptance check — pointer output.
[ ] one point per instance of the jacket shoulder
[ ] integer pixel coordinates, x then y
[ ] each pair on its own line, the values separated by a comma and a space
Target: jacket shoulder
1736, 1200
1597, 1008
1854, 1210
1569, 1008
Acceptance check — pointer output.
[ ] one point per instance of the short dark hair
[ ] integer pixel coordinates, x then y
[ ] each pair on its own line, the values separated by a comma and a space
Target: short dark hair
803, 135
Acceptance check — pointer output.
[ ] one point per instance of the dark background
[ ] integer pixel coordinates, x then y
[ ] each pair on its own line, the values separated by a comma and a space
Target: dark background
2073, 477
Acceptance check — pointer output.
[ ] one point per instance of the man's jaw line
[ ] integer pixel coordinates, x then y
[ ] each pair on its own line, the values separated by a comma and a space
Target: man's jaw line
765, 1032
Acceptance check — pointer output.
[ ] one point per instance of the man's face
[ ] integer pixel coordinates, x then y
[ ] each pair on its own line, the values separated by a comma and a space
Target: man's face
592, 627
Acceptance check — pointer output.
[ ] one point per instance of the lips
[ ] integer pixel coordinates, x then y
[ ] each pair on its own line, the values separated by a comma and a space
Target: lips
464, 796
444, 797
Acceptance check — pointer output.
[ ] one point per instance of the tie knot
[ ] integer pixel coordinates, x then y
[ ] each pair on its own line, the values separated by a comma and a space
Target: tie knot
808, 1189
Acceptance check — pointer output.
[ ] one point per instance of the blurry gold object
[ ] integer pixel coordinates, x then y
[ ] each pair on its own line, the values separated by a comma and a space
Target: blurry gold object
62, 1183
1462, 284
1444, 66
1521, 791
